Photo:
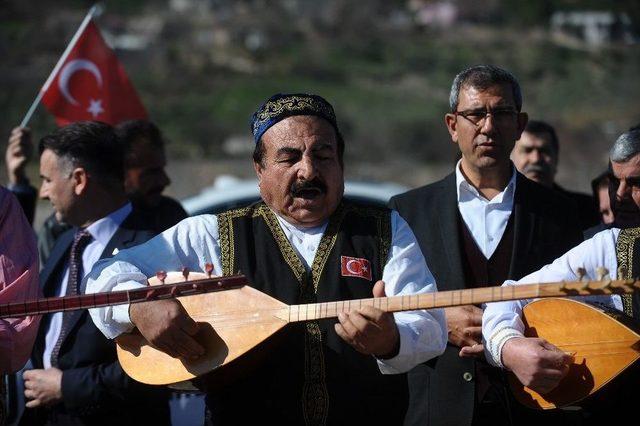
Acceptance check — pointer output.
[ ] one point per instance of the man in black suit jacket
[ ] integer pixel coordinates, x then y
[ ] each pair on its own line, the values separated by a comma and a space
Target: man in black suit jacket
536, 156
145, 179
480, 225
76, 377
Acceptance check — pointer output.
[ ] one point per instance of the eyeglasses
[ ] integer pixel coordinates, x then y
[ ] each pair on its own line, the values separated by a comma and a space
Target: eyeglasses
479, 116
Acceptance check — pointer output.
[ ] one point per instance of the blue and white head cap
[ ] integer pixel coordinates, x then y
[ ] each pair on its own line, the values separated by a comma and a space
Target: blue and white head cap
283, 105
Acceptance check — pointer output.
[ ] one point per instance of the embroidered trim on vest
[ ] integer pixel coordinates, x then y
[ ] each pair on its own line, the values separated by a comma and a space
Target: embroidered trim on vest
325, 246
287, 251
225, 233
624, 253
315, 396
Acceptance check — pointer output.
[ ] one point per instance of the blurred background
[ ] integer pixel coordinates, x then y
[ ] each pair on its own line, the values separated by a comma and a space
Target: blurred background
202, 66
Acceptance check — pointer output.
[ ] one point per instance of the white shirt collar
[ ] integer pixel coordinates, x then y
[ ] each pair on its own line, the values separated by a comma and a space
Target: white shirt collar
103, 229
298, 230
466, 191
305, 241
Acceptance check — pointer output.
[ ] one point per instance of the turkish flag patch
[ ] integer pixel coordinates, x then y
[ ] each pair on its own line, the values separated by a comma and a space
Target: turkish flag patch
355, 267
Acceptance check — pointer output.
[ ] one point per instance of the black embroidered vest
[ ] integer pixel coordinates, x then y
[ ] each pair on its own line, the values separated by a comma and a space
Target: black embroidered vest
312, 376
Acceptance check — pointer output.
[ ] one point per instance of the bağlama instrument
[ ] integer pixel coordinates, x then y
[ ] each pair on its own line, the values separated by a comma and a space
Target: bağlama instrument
604, 343
239, 319
236, 319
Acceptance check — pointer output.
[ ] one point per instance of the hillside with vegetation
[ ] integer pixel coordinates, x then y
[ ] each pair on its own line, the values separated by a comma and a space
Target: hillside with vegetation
202, 66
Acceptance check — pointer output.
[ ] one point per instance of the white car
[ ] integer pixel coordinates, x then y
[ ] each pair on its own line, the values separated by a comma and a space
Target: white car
229, 192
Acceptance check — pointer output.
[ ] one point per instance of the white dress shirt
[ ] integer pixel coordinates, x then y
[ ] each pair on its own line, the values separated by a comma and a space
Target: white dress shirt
195, 241
102, 231
485, 219
502, 321
305, 241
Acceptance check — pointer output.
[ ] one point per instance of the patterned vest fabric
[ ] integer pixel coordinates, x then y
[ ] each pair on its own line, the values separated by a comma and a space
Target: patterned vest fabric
311, 376
628, 256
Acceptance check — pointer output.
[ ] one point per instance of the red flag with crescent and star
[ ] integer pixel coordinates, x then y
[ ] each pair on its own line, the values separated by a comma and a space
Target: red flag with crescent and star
355, 267
91, 84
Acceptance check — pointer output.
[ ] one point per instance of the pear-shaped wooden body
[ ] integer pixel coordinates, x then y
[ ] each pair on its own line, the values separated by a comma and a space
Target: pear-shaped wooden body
602, 346
232, 323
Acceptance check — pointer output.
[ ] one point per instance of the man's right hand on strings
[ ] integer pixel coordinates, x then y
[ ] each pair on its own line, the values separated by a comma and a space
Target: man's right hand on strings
168, 327
538, 364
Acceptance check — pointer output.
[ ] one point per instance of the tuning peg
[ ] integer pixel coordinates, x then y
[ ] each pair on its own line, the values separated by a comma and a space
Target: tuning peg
208, 268
185, 273
602, 273
161, 275
581, 273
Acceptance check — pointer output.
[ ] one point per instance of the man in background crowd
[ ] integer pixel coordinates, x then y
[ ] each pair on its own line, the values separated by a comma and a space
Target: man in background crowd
600, 188
536, 156
478, 226
76, 377
145, 176
145, 180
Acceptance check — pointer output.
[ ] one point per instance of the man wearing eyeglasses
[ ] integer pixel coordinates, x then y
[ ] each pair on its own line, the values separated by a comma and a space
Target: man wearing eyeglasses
483, 223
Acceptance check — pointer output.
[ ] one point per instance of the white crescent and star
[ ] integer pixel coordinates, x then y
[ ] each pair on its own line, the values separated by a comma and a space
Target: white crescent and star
357, 270
95, 107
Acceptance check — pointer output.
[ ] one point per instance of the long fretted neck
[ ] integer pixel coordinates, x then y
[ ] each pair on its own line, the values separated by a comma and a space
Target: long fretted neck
473, 296
144, 294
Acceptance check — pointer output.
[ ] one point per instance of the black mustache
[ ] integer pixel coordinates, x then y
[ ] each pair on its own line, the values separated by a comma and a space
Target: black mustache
536, 168
305, 185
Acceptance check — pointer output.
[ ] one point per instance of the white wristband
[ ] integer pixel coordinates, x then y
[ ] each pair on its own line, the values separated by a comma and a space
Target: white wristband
497, 341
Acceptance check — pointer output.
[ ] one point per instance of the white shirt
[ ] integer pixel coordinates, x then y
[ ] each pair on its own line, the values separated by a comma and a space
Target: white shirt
502, 321
485, 219
195, 241
102, 231
305, 241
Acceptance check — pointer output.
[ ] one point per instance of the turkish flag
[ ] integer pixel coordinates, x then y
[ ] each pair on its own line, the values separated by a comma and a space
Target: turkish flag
91, 85
355, 267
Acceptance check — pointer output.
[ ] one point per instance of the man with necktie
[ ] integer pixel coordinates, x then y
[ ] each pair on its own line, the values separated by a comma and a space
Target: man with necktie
76, 377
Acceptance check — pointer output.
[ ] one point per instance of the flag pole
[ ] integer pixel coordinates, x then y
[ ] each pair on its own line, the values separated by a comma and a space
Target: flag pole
95, 9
